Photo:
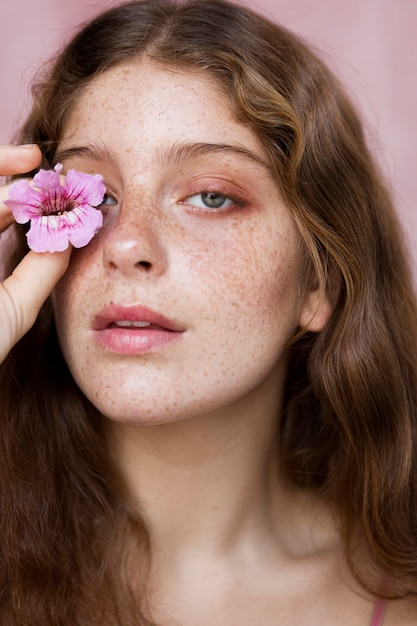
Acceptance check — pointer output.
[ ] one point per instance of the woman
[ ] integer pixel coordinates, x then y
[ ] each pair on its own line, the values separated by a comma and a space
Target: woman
212, 419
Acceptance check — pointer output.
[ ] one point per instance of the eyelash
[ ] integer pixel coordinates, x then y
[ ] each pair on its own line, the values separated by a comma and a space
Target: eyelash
233, 201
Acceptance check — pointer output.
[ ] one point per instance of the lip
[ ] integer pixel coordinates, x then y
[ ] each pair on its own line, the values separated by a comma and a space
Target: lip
128, 340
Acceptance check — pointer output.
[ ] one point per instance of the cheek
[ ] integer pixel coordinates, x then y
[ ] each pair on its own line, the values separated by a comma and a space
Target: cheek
244, 302
72, 298
250, 273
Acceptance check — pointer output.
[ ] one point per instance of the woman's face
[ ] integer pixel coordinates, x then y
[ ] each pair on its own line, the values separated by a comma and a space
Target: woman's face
183, 303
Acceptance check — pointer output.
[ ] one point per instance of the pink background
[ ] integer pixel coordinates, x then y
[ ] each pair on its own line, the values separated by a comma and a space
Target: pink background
370, 44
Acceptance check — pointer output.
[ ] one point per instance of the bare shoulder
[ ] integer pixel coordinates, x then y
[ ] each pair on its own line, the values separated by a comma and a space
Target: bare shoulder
401, 613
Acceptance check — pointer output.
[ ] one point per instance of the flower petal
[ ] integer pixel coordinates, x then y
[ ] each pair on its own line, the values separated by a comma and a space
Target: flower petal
88, 223
49, 180
46, 235
84, 188
24, 201
54, 233
54, 193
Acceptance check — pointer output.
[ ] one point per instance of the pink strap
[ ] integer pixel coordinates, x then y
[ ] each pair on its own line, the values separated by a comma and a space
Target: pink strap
379, 612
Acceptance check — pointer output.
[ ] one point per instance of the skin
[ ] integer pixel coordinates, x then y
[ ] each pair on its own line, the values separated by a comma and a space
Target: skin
193, 425
224, 277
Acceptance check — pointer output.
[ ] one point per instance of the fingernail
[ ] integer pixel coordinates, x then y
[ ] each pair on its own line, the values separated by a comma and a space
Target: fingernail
27, 145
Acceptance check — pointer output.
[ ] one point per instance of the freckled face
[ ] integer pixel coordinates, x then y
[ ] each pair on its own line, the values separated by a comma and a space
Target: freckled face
195, 231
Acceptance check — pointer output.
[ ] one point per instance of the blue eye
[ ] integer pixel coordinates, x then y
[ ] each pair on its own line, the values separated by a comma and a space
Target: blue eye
210, 200
108, 200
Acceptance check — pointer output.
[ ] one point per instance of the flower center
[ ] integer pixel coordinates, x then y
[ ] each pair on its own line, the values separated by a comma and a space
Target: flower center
58, 206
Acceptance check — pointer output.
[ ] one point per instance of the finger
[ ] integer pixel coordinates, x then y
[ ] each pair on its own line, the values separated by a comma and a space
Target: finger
19, 159
23, 293
6, 216
15, 160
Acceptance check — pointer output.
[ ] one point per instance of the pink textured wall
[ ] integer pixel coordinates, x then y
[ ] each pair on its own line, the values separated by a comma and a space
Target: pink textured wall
370, 44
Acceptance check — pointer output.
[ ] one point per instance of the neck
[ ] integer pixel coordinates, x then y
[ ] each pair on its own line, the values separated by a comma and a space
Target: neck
210, 485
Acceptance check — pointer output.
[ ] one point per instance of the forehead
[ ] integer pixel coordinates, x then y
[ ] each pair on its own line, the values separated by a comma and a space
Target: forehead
145, 101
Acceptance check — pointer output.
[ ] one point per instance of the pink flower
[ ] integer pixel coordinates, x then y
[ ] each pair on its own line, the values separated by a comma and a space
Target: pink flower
60, 214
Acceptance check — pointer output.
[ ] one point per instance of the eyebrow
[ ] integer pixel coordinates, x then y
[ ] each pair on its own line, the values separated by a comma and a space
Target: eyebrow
182, 151
95, 152
174, 154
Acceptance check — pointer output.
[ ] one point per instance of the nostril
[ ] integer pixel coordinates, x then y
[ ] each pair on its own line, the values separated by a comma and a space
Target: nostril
142, 253
144, 265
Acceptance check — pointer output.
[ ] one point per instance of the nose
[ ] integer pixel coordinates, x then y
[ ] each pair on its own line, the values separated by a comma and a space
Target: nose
133, 244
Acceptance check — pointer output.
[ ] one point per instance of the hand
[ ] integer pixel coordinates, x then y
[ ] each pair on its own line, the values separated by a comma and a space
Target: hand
23, 293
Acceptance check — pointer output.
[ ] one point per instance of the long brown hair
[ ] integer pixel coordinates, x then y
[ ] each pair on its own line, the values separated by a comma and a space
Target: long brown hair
348, 429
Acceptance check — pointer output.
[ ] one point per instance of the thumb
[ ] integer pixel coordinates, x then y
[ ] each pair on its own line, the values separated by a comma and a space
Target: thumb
23, 293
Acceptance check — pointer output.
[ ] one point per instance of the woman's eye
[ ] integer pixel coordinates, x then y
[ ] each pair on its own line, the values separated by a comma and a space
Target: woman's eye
108, 200
210, 200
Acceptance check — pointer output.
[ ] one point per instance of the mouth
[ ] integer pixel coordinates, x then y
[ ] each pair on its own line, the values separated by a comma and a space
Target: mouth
134, 324
133, 317
133, 329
